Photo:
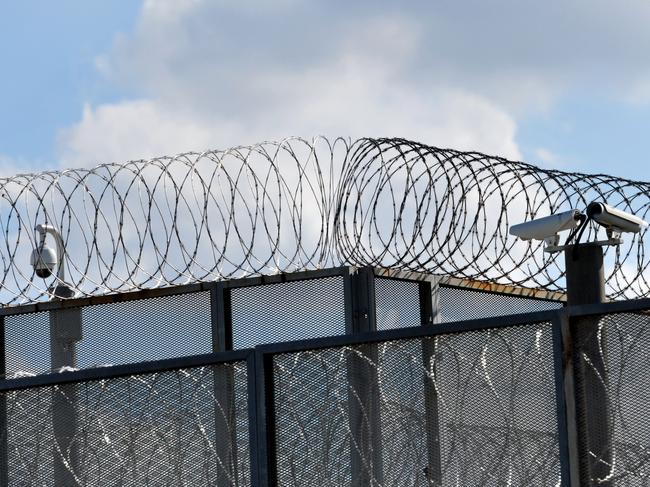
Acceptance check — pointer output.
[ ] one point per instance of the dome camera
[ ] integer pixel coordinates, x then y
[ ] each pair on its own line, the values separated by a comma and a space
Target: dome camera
43, 260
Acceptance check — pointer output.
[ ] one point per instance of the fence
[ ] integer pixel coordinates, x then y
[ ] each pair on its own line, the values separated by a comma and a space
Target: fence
336, 377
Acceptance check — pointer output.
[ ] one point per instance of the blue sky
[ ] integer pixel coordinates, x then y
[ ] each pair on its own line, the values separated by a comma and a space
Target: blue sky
564, 85
48, 51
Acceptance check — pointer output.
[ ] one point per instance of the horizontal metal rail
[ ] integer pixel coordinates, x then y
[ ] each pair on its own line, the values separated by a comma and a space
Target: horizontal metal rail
504, 289
408, 333
115, 371
449, 281
57, 304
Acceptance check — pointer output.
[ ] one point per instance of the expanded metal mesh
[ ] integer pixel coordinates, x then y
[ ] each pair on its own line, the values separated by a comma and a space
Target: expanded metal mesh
458, 304
398, 303
116, 333
613, 379
298, 205
287, 311
27, 343
471, 409
182, 428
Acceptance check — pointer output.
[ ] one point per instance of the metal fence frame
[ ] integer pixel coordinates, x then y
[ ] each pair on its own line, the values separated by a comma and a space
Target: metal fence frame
360, 330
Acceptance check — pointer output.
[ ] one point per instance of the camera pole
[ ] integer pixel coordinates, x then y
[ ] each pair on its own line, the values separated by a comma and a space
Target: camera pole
65, 332
585, 277
586, 338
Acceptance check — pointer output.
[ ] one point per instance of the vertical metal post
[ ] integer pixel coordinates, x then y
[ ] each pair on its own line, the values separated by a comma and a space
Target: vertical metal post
364, 402
585, 277
586, 285
221, 314
565, 401
65, 332
4, 425
253, 424
266, 460
224, 388
428, 316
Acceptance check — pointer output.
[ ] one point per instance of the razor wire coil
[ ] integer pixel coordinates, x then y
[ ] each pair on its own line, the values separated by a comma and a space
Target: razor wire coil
302, 204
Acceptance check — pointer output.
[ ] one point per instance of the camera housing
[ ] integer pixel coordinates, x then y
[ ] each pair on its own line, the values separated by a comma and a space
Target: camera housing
44, 260
615, 220
547, 228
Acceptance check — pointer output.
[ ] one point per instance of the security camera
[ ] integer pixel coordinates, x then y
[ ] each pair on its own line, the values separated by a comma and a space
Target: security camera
44, 260
547, 228
615, 220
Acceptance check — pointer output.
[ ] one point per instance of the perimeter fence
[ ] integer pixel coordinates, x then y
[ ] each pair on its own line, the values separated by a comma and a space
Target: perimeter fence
339, 377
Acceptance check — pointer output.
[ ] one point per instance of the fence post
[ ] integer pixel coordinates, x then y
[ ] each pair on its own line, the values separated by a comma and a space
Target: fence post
364, 402
4, 424
65, 332
429, 315
266, 460
586, 285
224, 388
565, 401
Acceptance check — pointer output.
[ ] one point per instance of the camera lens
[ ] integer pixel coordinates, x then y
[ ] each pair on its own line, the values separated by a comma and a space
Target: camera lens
43, 272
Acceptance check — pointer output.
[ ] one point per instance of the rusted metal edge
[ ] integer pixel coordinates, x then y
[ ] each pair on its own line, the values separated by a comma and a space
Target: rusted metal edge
284, 277
492, 287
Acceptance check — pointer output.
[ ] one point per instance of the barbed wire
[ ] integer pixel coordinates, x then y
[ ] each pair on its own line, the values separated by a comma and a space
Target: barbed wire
305, 204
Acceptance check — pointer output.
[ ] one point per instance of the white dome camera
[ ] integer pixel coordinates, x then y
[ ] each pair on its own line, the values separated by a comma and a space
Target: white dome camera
44, 261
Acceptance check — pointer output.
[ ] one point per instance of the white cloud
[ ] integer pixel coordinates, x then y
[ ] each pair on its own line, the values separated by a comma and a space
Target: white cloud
7, 166
243, 71
639, 91
546, 157
224, 73
138, 129
10, 166
147, 128
200, 96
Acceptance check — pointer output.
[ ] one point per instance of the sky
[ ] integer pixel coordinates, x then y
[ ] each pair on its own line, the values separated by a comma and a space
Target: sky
563, 85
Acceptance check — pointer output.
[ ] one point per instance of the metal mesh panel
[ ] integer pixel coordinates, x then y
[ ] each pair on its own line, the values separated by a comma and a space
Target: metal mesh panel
497, 406
458, 304
287, 311
27, 343
176, 428
471, 409
615, 351
116, 333
398, 303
